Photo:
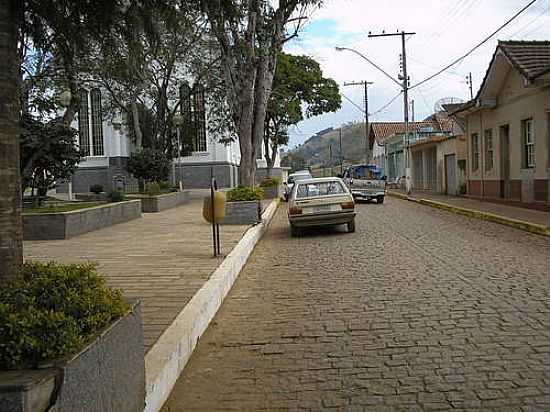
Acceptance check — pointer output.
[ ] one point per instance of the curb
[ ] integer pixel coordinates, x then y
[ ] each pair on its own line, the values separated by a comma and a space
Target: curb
476, 214
169, 355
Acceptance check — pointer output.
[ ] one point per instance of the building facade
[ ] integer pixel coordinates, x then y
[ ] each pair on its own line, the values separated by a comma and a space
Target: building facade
508, 126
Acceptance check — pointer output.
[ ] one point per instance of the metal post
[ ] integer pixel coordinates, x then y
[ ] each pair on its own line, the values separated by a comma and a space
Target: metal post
213, 210
470, 84
365, 84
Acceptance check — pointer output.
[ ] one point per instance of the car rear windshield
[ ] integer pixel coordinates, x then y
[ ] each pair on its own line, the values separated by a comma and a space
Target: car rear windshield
305, 190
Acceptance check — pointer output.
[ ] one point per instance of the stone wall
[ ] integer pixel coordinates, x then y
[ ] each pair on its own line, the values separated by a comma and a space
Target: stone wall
153, 204
242, 213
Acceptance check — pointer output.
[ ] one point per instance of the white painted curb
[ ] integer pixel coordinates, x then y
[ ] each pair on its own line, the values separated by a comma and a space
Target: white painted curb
169, 355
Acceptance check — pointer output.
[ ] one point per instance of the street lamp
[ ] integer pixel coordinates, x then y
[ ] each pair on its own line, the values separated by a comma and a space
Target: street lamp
65, 98
178, 121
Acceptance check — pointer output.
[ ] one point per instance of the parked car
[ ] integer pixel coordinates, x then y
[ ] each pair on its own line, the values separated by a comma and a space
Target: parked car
292, 178
323, 201
365, 182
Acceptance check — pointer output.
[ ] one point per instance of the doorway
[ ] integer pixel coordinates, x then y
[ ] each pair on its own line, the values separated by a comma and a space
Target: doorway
504, 132
450, 175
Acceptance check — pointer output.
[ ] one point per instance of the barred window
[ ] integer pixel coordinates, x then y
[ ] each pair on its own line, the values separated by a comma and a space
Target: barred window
489, 162
83, 124
528, 144
475, 152
97, 124
200, 118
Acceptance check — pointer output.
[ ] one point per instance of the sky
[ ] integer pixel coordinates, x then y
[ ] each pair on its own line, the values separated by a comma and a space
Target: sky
445, 30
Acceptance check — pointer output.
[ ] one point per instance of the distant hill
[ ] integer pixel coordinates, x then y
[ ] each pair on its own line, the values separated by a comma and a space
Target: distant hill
315, 151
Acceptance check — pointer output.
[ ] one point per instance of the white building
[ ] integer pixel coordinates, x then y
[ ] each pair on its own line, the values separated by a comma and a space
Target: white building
106, 146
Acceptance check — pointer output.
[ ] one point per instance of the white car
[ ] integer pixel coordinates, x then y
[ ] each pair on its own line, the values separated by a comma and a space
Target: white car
320, 202
292, 178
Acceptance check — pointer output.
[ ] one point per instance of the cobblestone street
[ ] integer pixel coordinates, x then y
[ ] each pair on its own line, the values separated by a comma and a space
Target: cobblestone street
419, 309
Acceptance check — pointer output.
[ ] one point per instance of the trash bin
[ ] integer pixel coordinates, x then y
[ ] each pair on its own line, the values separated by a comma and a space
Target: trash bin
219, 207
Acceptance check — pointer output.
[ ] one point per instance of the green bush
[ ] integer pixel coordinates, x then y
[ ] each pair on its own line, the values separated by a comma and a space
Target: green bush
53, 311
149, 165
152, 188
165, 186
97, 189
116, 196
244, 194
270, 182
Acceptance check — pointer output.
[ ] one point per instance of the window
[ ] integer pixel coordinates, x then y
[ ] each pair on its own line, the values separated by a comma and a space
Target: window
97, 123
528, 144
489, 162
319, 189
193, 110
200, 118
475, 152
83, 124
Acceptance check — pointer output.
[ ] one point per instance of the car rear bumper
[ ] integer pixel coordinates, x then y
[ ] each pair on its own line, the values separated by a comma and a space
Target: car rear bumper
367, 195
326, 219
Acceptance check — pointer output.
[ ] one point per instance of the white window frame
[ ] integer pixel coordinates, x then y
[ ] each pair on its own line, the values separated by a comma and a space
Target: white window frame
489, 150
93, 122
475, 152
528, 143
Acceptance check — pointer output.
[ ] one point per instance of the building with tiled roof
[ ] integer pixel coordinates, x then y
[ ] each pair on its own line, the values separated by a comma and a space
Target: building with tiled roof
508, 126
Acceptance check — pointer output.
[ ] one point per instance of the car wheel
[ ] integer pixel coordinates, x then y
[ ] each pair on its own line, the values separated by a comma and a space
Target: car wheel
380, 200
351, 226
294, 231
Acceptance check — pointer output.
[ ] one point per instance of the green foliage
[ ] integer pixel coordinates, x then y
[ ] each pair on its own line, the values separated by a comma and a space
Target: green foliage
270, 182
53, 311
150, 165
97, 189
116, 196
48, 153
165, 186
244, 194
152, 188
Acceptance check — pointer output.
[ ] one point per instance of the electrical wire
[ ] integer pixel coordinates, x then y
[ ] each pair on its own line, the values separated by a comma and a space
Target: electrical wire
353, 103
475, 47
386, 105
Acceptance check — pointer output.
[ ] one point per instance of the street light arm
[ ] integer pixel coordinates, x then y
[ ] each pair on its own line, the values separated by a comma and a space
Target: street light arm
371, 62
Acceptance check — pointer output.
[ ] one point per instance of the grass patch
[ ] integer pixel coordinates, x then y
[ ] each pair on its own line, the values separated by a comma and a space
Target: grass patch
62, 207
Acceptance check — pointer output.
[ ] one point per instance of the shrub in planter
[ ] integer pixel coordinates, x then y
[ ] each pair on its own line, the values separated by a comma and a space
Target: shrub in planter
97, 189
152, 188
244, 194
53, 311
116, 196
270, 182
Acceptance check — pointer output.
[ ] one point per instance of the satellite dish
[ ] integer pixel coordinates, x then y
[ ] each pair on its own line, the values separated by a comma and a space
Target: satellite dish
438, 107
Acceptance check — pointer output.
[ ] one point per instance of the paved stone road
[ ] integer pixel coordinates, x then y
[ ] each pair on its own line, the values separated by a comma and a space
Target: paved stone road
418, 310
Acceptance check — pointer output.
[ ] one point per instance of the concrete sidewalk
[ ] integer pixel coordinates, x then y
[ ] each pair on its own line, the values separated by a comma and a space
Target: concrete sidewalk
162, 259
534, 221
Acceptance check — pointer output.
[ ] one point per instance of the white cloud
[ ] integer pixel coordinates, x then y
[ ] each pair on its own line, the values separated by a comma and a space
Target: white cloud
446, 29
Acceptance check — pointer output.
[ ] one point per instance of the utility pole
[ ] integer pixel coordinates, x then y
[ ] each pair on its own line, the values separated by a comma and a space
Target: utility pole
366, 85
341, 154
405, 79
470, 85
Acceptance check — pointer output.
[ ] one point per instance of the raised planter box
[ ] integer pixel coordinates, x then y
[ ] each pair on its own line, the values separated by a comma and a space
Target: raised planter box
158, 203
272, 192
91, 197
64, 225
242, 213
107, 376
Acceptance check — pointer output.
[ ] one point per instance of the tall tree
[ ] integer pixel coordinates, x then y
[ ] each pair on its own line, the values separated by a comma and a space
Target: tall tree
299, 91
11, 227
251, 34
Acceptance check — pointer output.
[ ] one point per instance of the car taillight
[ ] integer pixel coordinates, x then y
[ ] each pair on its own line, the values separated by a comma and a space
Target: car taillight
348, 205
294, 211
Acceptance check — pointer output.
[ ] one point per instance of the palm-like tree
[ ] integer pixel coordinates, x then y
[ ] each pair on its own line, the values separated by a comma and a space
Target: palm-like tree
11, 227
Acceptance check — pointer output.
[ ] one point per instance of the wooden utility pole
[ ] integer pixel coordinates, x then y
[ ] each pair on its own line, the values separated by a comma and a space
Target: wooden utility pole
404, 77
366, 85
341, 154
470, 85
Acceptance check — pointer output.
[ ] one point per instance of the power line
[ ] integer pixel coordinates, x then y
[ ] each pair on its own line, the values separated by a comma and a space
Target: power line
476, 47
353, 103
387, 104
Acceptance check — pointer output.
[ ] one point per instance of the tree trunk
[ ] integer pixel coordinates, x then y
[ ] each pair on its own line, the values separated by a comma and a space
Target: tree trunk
11, 225
136, 125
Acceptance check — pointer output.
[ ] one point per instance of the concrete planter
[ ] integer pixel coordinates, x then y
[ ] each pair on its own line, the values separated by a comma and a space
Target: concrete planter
242, 213
107, 376
91, 197
64, 225
272, 192
158, 203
